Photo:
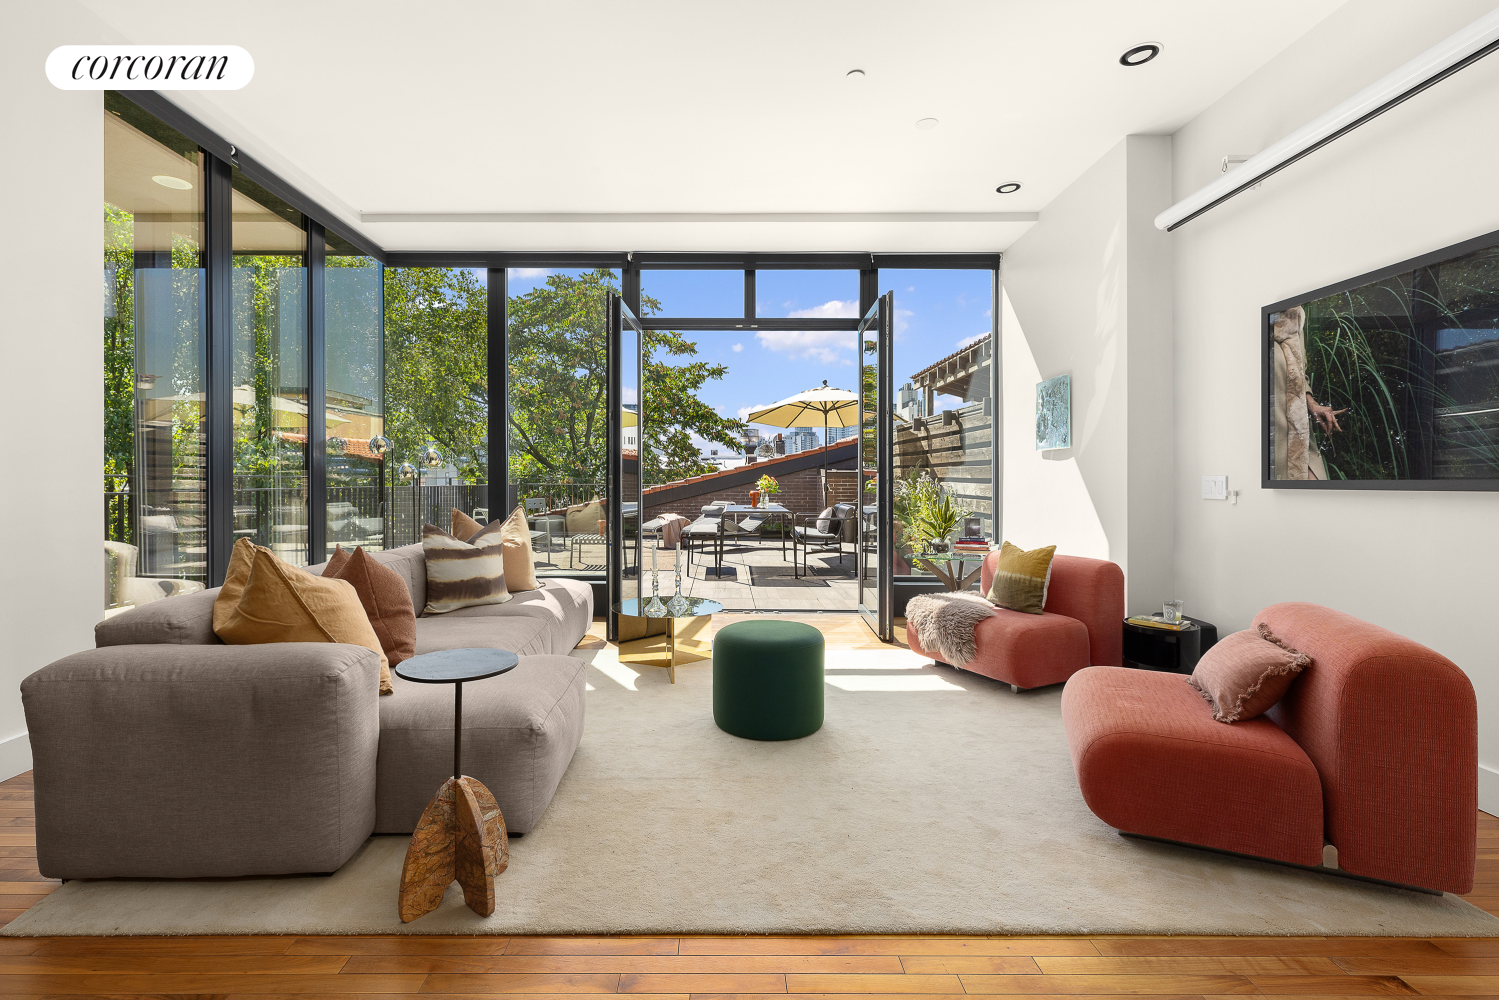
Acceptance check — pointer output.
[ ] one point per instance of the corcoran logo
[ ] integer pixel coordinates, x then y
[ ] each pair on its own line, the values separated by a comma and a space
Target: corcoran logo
149, 67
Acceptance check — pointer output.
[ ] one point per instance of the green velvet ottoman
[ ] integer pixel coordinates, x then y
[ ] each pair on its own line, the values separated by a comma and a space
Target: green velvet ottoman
767, 680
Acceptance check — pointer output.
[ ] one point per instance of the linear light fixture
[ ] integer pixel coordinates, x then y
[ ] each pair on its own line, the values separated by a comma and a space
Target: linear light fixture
1437, 63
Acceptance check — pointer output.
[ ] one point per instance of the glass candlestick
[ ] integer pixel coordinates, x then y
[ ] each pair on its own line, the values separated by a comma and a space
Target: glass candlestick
678, 604
654, 608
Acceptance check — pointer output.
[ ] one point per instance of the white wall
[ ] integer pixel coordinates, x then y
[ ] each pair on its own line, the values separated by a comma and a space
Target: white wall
52, 405
1417, 179
1088, 292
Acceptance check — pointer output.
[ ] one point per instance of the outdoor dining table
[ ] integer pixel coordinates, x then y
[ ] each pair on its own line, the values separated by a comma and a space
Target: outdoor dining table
740, 509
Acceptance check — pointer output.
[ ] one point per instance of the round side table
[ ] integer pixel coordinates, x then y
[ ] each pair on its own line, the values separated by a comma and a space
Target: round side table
461, 835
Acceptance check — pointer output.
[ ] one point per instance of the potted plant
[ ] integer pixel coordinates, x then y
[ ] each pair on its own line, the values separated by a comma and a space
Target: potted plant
940, 518
767, 487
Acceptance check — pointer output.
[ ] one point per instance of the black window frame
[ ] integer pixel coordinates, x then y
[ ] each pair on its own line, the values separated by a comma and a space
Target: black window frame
222, 156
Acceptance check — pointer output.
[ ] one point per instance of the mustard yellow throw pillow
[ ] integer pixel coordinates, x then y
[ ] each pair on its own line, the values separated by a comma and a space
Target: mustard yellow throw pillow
265, 599
1021, 578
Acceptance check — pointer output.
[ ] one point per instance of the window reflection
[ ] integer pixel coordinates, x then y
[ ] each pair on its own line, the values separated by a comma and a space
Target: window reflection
356, 445
269, 304
154, 483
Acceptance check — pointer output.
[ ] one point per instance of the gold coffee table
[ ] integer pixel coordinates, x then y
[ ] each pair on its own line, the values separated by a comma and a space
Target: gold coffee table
681, 643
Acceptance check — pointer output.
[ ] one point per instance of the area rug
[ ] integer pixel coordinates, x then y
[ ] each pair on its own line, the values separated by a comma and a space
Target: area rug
931, 801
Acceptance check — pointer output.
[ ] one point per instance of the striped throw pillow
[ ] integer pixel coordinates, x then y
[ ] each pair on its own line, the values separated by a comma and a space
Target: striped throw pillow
463, 574
1021, 578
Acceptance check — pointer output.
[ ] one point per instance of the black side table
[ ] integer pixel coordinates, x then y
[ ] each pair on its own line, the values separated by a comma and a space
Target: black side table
461, 835
1147, 648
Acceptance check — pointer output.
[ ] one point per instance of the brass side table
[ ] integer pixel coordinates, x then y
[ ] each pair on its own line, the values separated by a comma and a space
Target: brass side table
680, 643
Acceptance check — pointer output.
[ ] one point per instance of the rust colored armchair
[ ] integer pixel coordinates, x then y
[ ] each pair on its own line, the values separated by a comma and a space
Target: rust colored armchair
1374, 750
1080, 625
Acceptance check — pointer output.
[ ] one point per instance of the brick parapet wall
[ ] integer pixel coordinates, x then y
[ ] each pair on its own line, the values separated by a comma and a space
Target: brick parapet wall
801, 492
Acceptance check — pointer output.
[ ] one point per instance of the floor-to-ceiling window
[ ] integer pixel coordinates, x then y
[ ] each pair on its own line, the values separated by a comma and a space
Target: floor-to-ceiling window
269, 308
558, 421
356, 444
154, 482
944, 414
436, 398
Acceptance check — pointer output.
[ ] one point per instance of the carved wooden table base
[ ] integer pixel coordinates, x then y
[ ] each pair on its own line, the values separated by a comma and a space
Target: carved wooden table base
462, 837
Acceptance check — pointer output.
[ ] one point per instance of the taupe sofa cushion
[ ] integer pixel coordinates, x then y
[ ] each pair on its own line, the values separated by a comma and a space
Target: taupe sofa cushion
519, 733
179, 761
566, 606
184, 620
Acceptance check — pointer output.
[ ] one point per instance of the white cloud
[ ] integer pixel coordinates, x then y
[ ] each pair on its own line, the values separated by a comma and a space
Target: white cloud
529, 272
824, 346
738, 348
902, 321
833, 308
973, 339
745, 411
910, 288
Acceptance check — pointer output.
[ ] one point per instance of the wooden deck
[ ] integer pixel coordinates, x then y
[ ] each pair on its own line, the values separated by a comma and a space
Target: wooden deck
699, 968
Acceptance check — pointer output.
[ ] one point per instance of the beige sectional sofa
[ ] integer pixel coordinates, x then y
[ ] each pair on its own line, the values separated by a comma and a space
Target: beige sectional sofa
165, 753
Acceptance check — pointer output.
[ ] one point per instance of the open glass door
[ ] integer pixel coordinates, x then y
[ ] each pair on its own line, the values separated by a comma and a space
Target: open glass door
626, 439
876, 469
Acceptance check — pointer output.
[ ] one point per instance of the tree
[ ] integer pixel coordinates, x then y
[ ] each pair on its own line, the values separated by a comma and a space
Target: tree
437, 379
558, 421
436, 366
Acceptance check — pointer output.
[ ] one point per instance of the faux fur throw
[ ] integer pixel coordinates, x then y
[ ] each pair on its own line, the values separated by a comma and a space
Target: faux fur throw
945, 623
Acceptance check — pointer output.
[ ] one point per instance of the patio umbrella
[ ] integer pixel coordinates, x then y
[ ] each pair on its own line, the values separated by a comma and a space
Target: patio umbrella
837, 407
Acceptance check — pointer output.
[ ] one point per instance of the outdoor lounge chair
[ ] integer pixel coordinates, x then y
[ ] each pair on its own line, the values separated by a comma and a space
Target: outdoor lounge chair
805, 535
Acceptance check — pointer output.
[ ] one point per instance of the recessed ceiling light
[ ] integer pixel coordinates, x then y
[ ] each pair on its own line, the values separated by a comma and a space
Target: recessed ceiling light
175, 183
1140, 54
1008, 188
855, 74
926, 124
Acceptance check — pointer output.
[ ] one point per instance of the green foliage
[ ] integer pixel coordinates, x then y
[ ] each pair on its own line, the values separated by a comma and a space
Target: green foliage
437, 379
436, 366
558, 423
1370, 350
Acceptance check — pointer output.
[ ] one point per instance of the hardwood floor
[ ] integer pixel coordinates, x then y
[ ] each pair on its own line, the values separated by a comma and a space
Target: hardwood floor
703, 968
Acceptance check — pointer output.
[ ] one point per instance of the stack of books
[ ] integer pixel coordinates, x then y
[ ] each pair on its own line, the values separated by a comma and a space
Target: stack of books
970, 545
1155, 621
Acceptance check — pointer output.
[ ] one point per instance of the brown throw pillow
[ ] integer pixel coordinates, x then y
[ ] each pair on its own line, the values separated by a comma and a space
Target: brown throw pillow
1021, 578
1245, 673
465, 527
463, 574
267, 600
386, 601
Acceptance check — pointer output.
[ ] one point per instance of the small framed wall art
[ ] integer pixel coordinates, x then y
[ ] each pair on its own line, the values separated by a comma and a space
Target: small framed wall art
1054, 413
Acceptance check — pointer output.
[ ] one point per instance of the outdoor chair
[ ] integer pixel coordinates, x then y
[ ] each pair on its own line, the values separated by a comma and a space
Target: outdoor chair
806, 535
708, 526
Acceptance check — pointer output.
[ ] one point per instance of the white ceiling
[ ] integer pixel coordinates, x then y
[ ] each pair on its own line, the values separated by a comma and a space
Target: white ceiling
706, 126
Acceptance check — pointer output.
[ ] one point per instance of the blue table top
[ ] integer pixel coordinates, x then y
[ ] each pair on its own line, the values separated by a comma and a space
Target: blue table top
450, 666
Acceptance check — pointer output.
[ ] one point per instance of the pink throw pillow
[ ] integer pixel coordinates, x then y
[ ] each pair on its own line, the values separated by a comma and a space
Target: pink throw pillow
1245, 673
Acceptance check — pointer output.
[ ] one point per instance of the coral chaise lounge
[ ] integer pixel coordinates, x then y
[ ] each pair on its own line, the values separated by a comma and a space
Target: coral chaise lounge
1080, 626
1374, 749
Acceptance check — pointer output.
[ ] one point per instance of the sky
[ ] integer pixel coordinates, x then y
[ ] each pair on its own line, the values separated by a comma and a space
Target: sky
936, 312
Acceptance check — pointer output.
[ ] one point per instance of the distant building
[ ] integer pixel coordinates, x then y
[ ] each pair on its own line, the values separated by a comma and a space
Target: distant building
800, 439
836, 434
909, 403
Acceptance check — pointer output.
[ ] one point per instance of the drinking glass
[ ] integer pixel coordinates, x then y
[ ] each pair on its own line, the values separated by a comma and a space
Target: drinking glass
1171, 611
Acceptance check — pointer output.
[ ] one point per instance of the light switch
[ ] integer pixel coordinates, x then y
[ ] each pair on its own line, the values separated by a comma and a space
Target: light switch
1215, 487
